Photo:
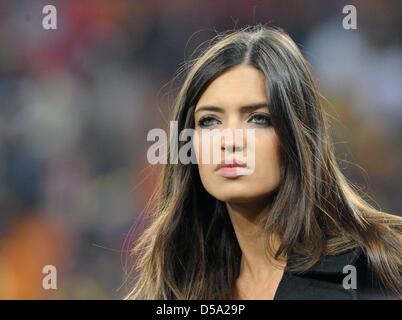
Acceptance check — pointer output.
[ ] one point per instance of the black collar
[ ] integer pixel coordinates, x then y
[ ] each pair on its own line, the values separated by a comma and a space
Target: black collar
335, 264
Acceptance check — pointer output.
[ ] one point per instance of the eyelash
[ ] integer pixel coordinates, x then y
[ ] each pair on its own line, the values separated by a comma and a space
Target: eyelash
266, 118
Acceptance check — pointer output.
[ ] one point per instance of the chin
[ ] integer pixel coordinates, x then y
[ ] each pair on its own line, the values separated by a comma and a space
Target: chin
230, 194
240, 193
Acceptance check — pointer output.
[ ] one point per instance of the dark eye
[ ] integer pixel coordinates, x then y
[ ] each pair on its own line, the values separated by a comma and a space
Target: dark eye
207, 122
261, 119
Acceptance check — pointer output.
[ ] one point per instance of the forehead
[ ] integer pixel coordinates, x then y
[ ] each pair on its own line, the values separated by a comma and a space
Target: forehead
240, 85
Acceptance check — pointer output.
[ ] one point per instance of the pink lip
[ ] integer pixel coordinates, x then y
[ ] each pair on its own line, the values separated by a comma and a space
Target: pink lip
229, 172
231, 164
231, 168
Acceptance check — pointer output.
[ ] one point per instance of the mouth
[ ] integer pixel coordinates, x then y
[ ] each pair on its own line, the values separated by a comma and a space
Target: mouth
231, 169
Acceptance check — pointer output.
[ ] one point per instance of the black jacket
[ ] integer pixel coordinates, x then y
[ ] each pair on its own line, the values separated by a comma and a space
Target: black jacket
325, 280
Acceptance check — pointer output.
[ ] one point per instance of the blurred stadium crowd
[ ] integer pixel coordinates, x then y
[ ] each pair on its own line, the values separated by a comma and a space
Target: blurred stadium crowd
76, 104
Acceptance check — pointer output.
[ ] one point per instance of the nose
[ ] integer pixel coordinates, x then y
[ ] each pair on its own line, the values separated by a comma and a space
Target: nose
231, 147
233, 140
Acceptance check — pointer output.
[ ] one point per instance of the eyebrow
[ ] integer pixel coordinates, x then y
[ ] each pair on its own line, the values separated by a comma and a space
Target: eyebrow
245, 108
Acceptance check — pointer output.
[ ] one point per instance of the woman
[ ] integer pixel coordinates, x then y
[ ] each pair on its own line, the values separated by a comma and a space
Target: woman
294, 228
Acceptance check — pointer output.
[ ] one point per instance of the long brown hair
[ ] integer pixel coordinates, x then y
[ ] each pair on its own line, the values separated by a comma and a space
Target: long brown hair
190, 250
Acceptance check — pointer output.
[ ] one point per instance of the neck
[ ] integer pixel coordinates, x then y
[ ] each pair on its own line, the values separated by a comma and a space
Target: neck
256, 262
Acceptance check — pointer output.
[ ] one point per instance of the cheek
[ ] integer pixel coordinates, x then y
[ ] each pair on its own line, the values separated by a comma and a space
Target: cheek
209, 180
197, 145
205, 170
267, 158
207, 150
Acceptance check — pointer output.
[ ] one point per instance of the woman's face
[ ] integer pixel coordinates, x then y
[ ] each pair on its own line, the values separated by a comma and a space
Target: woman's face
235, 100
